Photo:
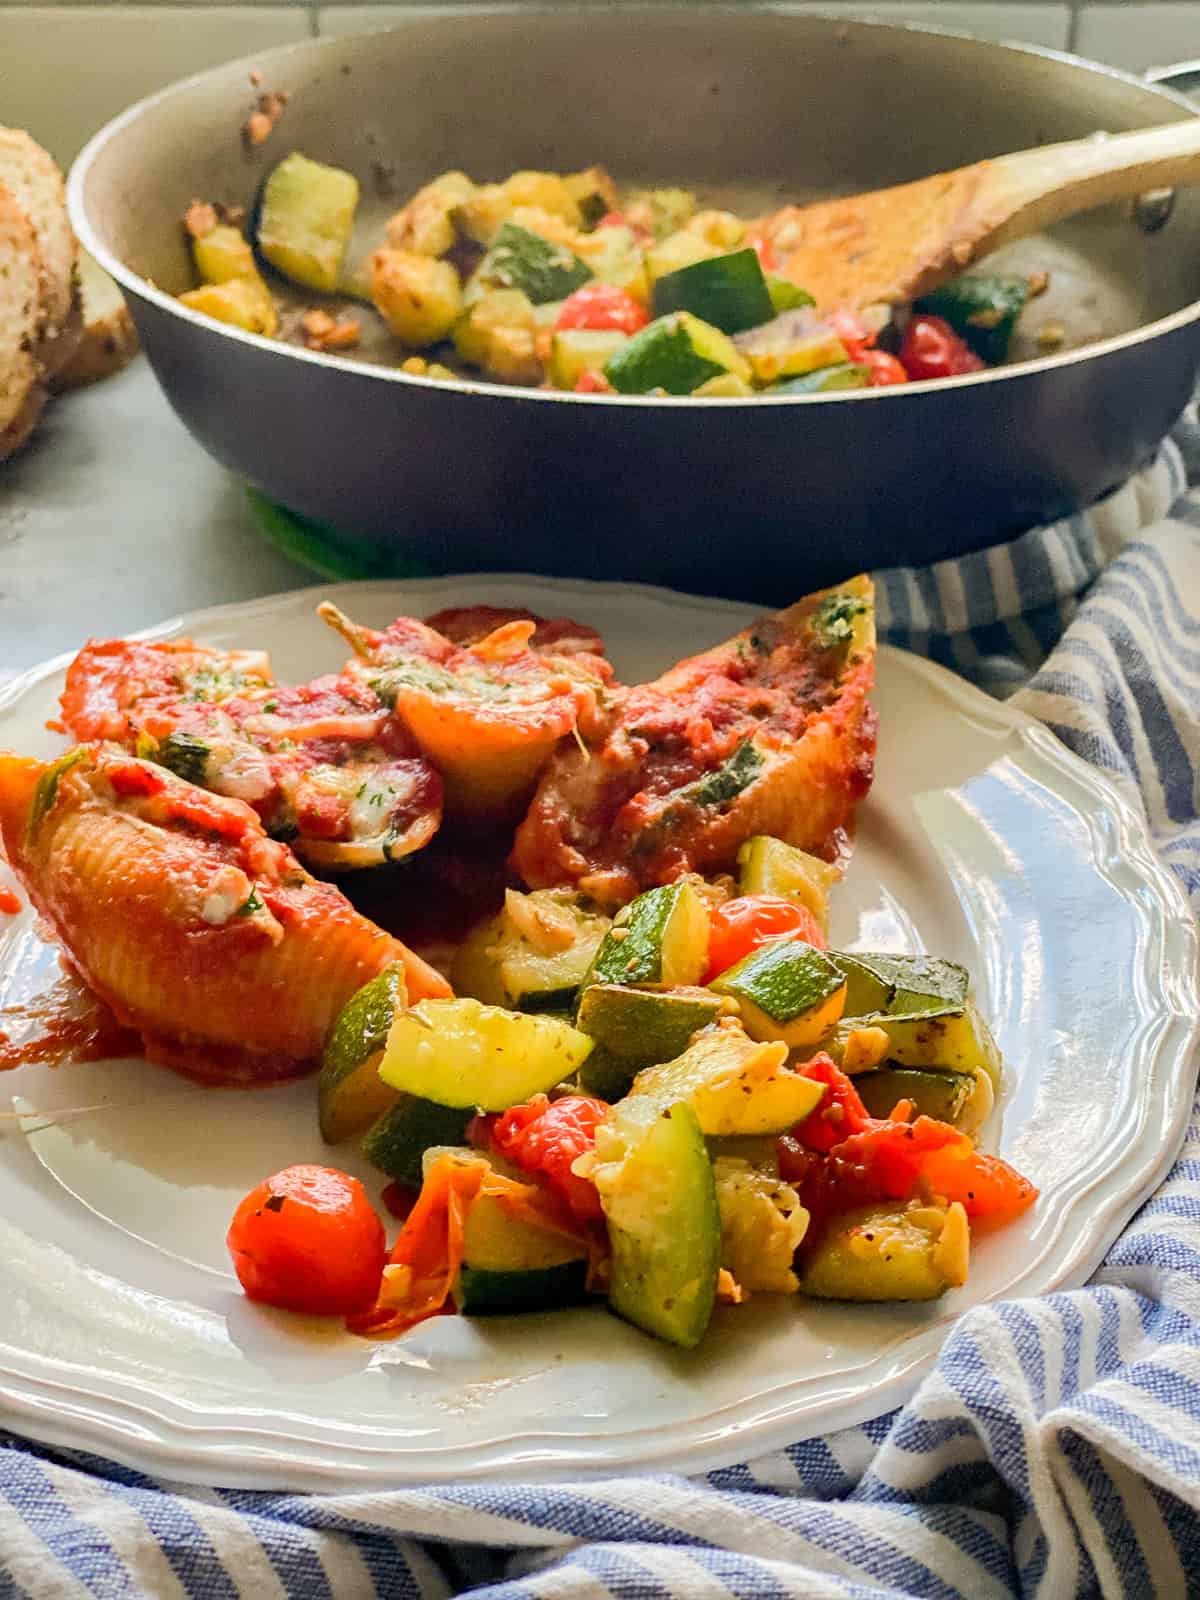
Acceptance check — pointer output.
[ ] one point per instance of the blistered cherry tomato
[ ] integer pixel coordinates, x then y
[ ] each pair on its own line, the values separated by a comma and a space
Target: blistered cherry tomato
545, 1137
308, 1240
601, 306
853, 332
884, 369
932, 349
742, 925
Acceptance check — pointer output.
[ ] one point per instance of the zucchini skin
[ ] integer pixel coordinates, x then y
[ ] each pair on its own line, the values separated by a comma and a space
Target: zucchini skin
483, 1292
982, 308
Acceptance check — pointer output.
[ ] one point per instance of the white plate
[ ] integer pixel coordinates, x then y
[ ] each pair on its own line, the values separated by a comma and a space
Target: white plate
122, 1330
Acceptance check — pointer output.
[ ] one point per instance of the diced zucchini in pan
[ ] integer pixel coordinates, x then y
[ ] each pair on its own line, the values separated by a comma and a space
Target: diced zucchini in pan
889, 982
679, 250
981, 308
769, 866
786, 295
827, 380
615, 257
719, 228
547, 191
223, 254
656, 1186
533, 955
762, 1223
790, 345
594, 192
350, 1092
663, 210
676, 354
724, 387
242, 302
521, 259
888, 1253
418, 296
305, 216
660, 938
425, 224
498, 334
728, 291
636, 1028
579, 350
397, 1141
957, 1039
735, 1085
461, 1053
481, 215
787, 990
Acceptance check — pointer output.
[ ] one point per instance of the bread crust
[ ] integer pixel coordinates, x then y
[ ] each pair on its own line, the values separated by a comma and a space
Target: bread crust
21, 393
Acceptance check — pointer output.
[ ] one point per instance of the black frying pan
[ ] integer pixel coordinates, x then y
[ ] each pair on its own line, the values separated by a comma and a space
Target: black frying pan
762, 497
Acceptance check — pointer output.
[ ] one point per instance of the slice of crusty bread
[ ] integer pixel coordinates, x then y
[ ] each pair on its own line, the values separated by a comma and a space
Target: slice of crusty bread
21, 320
109, 339
36, 184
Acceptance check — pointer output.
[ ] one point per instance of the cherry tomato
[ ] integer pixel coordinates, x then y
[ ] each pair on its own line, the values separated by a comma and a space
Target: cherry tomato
932, 349
308, 1240
885, 369
593, 383
742, 925
765, 250
613, 219
852, 331
601, 306
839, 1114
546, 1136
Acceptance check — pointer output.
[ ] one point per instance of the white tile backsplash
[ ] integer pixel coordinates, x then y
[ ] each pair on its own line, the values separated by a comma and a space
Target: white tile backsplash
65, 70
1140, 35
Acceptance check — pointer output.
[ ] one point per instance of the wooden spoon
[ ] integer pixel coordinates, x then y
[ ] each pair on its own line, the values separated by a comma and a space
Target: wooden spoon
893, 245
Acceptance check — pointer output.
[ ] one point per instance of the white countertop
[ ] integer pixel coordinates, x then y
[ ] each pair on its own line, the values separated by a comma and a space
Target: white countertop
113, 518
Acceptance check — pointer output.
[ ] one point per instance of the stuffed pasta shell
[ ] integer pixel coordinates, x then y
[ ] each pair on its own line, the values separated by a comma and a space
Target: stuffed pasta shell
197, 930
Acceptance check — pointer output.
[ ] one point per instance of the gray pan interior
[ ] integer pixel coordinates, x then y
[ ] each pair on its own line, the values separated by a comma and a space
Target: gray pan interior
749, 107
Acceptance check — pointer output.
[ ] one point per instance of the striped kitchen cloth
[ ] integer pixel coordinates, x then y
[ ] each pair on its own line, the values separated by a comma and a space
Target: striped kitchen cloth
1055, 1448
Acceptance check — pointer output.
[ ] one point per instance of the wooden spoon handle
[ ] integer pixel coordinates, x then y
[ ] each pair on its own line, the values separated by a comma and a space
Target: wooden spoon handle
1035, 188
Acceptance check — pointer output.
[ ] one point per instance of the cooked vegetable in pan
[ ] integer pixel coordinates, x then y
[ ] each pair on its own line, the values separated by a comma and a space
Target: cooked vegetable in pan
559, 281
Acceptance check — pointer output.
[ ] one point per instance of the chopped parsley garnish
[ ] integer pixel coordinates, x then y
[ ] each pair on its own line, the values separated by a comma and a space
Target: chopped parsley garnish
250, 905
728, 780
184, 755
833, 620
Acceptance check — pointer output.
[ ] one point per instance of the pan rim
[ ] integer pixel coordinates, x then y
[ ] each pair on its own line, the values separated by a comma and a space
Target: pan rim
142, 288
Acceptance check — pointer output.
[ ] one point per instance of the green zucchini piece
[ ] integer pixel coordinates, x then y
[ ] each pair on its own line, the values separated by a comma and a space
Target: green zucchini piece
790, 345
726, 386
982, 308
350, 1093
636, 1028
769, 866
888, 1253
786, 295
666, 210
953, 1039
676, 354
397, 1141
728, 291
533, 955
787, 990
305, 217
900, 983
660, 1202
941, 1095
735, 1085
827, 380
594, 192
462, 1053
521, 259
660, 938
575, 351
482, 1292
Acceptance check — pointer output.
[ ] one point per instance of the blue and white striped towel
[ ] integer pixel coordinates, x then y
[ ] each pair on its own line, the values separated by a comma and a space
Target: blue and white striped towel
1055, 1449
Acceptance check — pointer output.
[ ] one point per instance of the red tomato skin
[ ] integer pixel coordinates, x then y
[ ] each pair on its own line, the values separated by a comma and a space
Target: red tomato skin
601, 306
853, 332
308, 1240
932, 349
545, 1137
885, 369
593, 383
752, 920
